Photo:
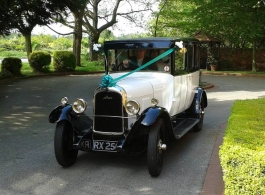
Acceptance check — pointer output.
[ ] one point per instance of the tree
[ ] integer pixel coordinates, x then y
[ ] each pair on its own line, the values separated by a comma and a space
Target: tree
173, 19
4, 17
25, 15
99, 15
236, 23
77, 8
102, 14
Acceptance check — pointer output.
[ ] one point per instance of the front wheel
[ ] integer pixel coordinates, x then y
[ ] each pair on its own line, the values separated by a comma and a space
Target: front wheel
63, 142
155, 147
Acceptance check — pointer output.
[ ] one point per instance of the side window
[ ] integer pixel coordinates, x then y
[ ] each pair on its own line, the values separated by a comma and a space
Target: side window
192, 58
180, 56
197, 57
187, 59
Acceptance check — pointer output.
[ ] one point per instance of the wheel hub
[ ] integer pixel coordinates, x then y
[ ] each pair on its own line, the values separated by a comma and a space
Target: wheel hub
161, 146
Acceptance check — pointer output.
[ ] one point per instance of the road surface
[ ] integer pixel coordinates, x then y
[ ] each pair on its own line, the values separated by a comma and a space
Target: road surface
28, 165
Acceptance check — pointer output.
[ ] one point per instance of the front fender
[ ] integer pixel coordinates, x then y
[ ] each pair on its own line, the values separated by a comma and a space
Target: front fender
59, 113
147, 118
150, 115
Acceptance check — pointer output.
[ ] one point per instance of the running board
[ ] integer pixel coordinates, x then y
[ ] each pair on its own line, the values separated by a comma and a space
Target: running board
183, 126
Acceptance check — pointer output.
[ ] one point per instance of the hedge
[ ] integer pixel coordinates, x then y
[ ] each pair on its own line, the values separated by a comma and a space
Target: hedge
64, 61
11, 67
242, 153
39, 61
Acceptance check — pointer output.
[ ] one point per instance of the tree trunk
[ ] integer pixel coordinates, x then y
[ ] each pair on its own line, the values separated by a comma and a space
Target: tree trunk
93, 39
78, 36
28, 43
254, 66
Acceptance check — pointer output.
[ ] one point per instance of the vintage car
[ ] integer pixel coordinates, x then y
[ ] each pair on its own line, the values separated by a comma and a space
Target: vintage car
137, 109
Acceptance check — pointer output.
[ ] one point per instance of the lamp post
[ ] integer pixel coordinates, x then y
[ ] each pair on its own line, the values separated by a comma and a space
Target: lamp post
257, 6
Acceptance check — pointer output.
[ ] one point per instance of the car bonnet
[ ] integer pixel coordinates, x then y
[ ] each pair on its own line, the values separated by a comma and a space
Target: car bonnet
143, 86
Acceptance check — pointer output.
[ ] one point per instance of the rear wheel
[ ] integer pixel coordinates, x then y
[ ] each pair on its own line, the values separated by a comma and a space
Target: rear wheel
155, 148
198, 126
63, 142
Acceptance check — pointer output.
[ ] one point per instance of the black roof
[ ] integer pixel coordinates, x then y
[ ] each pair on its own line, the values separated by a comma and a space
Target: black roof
146, 43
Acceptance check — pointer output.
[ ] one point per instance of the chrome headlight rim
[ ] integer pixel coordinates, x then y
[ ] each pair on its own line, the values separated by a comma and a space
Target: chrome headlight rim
79, 105
132, 107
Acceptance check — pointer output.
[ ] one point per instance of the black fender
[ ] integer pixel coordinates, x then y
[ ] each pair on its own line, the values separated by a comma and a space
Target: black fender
204, 95
60, 113
199, 96
148, 118
150, 115
80, 122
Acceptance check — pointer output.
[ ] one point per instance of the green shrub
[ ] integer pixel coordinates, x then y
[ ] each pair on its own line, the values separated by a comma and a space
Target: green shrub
64, 61
242, 153
39, 61
11, 67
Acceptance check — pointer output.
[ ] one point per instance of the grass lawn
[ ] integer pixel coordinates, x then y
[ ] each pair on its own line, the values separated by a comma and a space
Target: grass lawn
86, 67
242, 153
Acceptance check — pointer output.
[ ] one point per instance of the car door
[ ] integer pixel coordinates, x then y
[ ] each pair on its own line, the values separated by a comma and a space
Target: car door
180, 94
192, 85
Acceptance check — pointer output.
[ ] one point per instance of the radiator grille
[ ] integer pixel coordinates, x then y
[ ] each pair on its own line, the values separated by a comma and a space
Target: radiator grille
108, 105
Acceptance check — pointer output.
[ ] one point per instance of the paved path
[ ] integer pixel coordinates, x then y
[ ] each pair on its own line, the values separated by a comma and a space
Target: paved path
27, 161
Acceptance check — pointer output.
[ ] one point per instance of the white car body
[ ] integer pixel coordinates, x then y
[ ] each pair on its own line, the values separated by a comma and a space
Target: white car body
174, 93
140, 104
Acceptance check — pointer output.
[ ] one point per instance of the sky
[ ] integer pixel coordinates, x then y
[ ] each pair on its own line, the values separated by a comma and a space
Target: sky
123, 27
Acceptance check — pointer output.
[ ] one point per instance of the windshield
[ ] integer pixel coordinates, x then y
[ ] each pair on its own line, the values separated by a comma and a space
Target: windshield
131, 59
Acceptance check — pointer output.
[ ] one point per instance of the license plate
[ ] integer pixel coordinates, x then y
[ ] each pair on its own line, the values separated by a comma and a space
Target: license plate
85, 144
101, 145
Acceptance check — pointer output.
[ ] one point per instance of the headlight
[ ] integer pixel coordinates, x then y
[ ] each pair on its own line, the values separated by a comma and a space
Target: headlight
79, 105
132, 107
64, 100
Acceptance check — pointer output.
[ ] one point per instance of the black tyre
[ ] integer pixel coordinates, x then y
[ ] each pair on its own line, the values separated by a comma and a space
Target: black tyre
198, 126
63, 141
154, 150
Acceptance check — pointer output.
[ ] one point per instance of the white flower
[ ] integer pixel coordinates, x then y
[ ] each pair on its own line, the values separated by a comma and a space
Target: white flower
96, 47
179, 44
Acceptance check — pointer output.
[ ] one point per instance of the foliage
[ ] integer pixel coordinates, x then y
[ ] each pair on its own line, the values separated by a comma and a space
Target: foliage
17, 54
12, 42
39, 61
210, 57
25, 15
42, 42
11, 66
236, 23
242, 153
62, 43
174, 20
100, 15
64, 61
86, 67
